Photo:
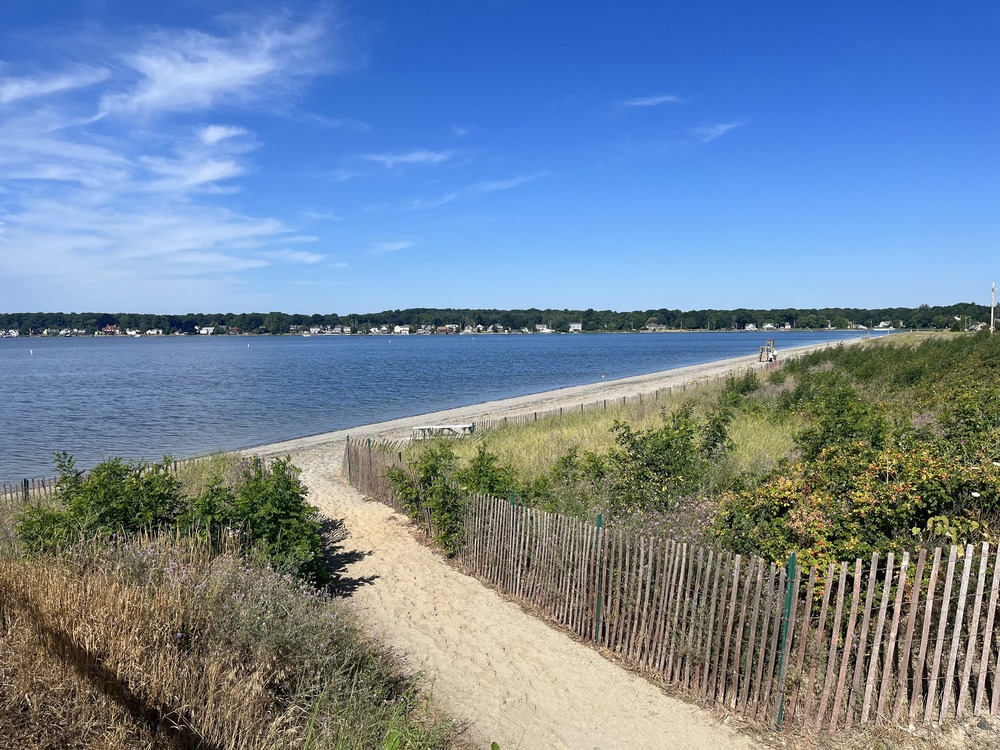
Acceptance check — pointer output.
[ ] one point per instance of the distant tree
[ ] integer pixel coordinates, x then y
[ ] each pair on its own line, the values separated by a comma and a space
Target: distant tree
277, 322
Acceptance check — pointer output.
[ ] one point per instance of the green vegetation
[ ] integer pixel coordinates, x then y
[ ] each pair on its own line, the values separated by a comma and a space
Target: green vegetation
147, 607
845, 451
901, 448
946, 317
264, 504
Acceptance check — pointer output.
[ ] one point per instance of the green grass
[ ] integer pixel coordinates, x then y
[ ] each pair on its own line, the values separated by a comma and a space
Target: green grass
532, 448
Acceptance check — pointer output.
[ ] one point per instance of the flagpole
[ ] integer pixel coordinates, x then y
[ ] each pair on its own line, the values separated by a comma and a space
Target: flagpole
993, 304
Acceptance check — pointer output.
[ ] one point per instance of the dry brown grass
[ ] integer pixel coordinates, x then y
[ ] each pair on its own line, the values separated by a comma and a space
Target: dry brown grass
157, 644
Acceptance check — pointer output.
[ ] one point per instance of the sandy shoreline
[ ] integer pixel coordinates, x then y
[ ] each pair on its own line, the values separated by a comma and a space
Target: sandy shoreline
572, 396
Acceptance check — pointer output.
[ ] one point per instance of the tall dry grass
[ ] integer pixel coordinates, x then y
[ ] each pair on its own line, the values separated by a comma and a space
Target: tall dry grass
156, 643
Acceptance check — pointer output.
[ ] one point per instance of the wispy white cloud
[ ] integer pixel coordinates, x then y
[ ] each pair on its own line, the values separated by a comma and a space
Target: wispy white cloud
12, 89
133, 199
322, 215
459, 131
708, 133
346, 123
494, 185
417, 156
192, 70
340, 175
187, 173
392, 246
212, 134
653, 101
431, 203
293, 256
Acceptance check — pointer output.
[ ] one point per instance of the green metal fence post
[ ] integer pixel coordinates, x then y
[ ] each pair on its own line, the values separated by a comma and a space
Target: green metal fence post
600, 581
26, 490
782, 654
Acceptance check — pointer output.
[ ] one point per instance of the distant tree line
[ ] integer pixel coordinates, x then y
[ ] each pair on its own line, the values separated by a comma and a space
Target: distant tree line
958, 316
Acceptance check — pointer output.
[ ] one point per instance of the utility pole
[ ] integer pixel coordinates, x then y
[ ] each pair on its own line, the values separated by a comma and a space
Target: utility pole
993, 304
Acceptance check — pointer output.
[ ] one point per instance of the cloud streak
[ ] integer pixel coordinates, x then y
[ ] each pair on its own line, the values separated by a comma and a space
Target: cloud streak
495, 185
192, 71
709, 133
414, 157
652, 101
133, 199
384, 248
13, 89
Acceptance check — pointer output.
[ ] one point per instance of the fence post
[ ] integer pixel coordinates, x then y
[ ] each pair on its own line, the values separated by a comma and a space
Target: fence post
780, 717
25, 486
600, 580
350, 478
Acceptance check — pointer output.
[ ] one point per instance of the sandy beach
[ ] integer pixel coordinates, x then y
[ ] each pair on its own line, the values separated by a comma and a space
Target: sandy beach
504, 675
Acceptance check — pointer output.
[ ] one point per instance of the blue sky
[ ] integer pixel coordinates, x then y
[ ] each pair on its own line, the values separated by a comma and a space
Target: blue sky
209, 156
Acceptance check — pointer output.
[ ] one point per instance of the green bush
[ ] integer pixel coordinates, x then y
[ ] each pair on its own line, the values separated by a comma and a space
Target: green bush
652, 469
265, 507
115, 497
430, 485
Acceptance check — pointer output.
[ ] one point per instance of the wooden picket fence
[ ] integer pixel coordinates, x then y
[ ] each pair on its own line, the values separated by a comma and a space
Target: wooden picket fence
890, 640
14, 494
600, 404
26, 491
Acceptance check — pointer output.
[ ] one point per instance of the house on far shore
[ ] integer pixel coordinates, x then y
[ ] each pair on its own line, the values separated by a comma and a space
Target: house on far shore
576, 327
542, 328
751, 327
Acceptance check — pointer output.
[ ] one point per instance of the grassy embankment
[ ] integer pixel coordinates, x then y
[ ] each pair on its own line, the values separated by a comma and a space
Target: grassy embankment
171, 639
890, 445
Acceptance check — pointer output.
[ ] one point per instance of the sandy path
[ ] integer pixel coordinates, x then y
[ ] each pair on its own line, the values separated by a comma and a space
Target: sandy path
500, 672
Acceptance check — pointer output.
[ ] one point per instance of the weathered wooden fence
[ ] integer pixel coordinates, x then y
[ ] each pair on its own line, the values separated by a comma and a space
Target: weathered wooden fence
26, 490
534, 416
886, 640
36, 490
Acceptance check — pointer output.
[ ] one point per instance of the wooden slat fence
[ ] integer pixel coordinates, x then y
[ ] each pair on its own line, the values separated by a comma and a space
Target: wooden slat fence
894, 639
26, 491
601, 404
14, 494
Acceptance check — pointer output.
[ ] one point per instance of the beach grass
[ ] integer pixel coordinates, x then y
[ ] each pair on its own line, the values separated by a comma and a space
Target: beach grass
532, 448
160, 642
168, 640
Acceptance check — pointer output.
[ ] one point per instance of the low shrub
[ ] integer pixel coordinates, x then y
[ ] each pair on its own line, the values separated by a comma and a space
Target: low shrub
264, 504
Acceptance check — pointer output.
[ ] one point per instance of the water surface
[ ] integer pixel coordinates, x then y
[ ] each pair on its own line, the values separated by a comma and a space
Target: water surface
185, 396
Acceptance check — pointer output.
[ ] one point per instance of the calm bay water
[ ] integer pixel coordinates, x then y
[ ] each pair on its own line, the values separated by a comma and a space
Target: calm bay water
185, 396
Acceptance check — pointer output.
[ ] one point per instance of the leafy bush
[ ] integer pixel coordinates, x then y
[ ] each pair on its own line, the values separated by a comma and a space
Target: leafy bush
431, 485
265, 505
652, 469
853, 500
115, 497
